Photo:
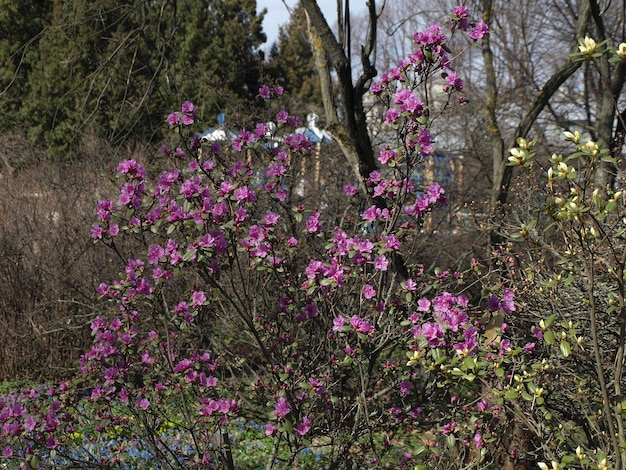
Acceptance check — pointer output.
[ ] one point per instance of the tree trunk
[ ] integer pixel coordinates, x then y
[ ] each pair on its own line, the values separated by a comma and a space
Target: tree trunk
349, 125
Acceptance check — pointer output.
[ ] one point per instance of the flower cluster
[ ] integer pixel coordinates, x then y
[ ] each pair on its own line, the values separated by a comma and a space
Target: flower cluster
186, 116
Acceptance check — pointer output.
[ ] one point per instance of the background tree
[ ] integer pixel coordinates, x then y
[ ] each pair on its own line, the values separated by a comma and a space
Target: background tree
291, 61
21, 27
112, 68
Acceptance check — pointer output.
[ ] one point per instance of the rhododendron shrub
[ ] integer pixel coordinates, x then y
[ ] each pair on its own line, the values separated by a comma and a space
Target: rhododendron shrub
249, 303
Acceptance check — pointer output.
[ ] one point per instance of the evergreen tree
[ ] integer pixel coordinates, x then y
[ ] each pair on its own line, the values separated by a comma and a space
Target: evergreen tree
218, 58
292, 62
22, 25
118, 67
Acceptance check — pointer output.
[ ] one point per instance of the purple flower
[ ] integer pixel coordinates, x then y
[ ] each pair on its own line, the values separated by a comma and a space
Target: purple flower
360, 325
173, 119
313, 224
142, 403
432, 332
381, 262
338, 323
369, 292
282, 116
188, 113
281, 408
96, 232
507, 304
264, 92
198, 298
386, 155
183, 365
407, 101
448, 428
303, 428
479, 31
432, 36
459, 15
310, 310
270, 429
30, 423
493, 303
350, 190
529, 348
425, 141
405, 388
392, 116
453, 81
51, 442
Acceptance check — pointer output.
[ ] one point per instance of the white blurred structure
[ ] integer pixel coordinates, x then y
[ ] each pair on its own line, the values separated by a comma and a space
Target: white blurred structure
312, 131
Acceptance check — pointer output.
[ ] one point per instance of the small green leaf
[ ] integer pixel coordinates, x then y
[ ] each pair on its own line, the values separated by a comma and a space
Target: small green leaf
565, 348
548, 337
189, 255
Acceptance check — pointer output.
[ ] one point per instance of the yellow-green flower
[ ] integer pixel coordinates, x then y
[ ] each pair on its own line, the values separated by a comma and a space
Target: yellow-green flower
572, 136
587, 46
621, 51
414, 358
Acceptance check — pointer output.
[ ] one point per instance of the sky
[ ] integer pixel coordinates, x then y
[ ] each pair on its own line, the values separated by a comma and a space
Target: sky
278, 15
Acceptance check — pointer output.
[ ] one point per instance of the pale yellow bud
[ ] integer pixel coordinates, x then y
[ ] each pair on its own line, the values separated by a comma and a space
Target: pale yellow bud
572, 136
621, 51
518, 156
587, 46
592, 147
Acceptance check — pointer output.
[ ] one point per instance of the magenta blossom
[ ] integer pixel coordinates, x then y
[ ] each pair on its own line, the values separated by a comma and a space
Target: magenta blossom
369, 292
303, 428
188, 114
405, 388
281, 408
264, 92
479, 31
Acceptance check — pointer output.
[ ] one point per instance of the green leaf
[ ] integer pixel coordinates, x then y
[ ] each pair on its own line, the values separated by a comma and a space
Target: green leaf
190, 254
565, 348
548, 337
